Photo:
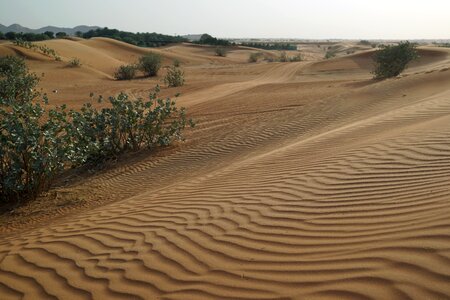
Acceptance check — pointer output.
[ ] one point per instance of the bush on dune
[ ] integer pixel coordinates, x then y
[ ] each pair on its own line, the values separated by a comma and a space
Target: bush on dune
75, 62
150, 64
222, 52
174, 77
392, 60
125, 72
37, 143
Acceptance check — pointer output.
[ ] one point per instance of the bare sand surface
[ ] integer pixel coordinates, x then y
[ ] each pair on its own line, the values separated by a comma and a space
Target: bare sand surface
305, 180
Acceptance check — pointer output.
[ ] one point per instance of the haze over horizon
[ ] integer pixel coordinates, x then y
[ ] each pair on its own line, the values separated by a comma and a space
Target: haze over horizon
344, 19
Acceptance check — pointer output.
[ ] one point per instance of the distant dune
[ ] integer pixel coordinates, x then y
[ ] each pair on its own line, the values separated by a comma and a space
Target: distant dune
305, 180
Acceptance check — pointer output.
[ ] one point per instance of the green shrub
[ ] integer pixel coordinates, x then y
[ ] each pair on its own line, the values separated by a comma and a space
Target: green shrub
37, 144
176, 63
44, 49
269, 59
150, 64
296, 58
174, 77
74, 63
330, 54
221, 52
125, 72
126, 124
15, 81
283, 57
60, 35
391, 60
253, 57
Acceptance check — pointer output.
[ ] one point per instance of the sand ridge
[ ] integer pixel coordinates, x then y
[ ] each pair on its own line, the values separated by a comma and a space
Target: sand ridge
297, 184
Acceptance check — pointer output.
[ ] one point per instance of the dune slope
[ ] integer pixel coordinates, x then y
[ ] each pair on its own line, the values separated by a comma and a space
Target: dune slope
295, 185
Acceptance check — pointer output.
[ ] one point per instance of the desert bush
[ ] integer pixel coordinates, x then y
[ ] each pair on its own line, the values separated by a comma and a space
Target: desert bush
32, 148
296, 58
253, 57
365, 42
125, 72
271, 46
221, 52
150, 64
176, 63
74, 63
15, 82
174, 77
37, 143
391, 60
125, 125
61, 35
283, 57
269, 59
43, 49
330, 54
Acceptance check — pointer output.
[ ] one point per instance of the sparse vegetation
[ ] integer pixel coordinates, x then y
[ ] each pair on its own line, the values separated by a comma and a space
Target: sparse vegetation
139, 39
38, 143
207, 39
150, 64
296, 58
60, 35
125, 72
271, 46
174, 77
43, 49
391, 60
365, 42
253, 57
176, 63
330, 54
220, 51
283, 57
75, 63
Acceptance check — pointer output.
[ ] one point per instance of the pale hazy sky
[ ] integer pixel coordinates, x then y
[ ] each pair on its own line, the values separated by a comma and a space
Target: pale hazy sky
352, 19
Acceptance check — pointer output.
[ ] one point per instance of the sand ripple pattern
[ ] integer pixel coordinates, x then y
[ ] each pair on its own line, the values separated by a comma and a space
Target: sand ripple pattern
357, 212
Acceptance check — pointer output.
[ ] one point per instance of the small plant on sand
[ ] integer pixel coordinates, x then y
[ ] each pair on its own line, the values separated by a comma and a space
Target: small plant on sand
176, 63
174, 77
125, 72
269, 59
74, 63
253, 57
283, 57
150, 64
330, 54
37, 143
391, 60
296, 58
220, 51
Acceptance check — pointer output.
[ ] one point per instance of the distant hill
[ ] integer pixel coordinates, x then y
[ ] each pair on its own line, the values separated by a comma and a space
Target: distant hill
70, 31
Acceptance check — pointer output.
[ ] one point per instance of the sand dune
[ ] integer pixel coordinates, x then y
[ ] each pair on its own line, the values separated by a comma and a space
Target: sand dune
302, 180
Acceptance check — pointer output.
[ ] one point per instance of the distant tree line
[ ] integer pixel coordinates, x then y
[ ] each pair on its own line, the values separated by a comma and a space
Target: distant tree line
139, 39
271, 46
31, 37
207, 39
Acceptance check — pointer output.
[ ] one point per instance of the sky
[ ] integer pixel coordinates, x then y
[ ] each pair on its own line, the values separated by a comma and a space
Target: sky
312, 19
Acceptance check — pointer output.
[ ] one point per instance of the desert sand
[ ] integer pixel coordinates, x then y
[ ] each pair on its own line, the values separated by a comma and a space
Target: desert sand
305, 180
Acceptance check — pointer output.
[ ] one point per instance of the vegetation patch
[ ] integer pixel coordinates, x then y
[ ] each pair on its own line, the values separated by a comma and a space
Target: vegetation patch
74, 63
150, 64
43, 49
37, 143
174, 77
125, 72
392, 60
